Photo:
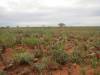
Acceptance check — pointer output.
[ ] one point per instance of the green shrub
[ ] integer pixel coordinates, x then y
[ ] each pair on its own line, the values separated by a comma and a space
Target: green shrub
40, 67
59, 46
23, 57
76, 58
59, 56
94, 62
30, 41
7, 40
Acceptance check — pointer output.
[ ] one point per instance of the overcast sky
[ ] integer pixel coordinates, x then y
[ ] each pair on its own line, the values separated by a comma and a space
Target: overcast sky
49, 12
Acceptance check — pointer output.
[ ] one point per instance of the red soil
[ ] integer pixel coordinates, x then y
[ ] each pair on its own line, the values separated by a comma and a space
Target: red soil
21, 69
1, 66
90, 71
63, 71
69, 47
75, 70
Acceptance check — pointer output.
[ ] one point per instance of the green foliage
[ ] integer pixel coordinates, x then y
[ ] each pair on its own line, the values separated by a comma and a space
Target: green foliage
59, 56
94, 62
59, 46
30, 41
23, 57
97, 43
39, 66
76, 58
7, 40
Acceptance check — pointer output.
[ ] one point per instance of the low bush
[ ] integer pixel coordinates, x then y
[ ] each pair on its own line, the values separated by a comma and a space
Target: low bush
39, 66
59, 56
23, 57
59, 46
76, 58
30, 41
7, 41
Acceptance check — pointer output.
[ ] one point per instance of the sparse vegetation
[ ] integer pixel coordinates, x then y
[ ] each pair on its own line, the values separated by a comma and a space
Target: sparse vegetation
33, 50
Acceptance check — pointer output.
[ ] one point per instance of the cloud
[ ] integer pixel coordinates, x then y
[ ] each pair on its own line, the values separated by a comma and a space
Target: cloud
49, 12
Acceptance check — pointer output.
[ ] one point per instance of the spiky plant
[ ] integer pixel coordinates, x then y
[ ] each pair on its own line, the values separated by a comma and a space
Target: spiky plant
60, 56
23, 57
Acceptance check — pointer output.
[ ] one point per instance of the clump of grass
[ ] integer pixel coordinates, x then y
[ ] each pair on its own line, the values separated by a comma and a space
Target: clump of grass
30, 41
94, 62
41, 66
7, 40
76, 58
22, 57
59, 56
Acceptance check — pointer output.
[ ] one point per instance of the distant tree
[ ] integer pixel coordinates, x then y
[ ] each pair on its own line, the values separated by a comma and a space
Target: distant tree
61, 25
2, 27
7, 26
17, 26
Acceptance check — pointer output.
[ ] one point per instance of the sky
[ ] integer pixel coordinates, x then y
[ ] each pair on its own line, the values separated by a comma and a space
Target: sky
49, 12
